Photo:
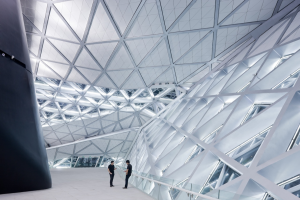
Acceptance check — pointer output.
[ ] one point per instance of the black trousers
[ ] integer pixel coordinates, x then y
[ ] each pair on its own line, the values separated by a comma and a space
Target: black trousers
126, 180
111, 179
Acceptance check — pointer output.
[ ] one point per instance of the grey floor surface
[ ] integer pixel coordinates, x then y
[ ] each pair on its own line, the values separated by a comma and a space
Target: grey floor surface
83, 184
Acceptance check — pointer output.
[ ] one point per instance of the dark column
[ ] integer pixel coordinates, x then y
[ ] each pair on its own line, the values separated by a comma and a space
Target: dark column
23, 158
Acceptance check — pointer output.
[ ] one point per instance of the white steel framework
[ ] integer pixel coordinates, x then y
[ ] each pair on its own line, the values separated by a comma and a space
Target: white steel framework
243, 117
128, 47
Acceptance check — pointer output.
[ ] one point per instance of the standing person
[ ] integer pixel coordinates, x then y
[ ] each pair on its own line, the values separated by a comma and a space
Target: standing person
111, 171
128, 173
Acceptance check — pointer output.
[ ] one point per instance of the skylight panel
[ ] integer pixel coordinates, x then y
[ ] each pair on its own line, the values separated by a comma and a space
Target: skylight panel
196, 151
140, 105
55, 81
48, 114
295, 140
40, 81
251, 142
220, 175
118, 94
282, 60
106, 90
254, 110
130, 92
80, 85
171, 95
69, 117
93, 111
243, 88
289, 81
41, 101
151, 108
62, 105
157, 91
209, 138
292, 185
144, 94
58, 117
83, 108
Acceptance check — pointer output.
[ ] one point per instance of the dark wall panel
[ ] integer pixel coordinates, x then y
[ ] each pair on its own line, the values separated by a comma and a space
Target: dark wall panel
23, 159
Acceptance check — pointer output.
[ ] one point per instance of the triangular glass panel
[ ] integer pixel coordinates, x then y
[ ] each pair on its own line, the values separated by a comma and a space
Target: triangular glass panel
101, 28
147, 22
122, 11
80, 85
65, 85
58, 117
196, 151
157, 91
228, 36
245, 152
151, 108
174, 192
217, 176
62, 105
69, 117
93, 111
198, 16
73, 108
97, 100
130, 92
83, 108
118, 103
140, 47
283, 59
49, 92
171, 95
288, 82
41, 101
48, 114
28, 26
76, 77
144, 94
254, 110
118, 94
140, 105
158, 57
75, 96
121, 60
57, 28
106, 90
241, 14
172, 9
51, 105
76, 14
203, 50
55, 81
35, 12
40, 81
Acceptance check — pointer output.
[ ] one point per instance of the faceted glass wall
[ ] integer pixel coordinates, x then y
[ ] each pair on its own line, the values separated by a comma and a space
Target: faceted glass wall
237, 129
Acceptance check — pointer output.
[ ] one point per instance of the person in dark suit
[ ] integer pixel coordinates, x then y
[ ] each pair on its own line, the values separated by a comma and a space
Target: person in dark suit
111, 171
128, 173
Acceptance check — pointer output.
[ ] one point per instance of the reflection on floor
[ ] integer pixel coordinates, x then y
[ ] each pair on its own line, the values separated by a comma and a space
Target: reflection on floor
83, 184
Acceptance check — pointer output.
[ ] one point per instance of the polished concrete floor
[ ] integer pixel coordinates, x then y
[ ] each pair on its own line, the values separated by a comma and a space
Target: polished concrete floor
83, 184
